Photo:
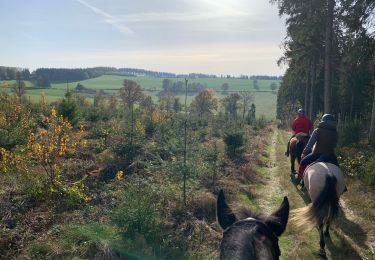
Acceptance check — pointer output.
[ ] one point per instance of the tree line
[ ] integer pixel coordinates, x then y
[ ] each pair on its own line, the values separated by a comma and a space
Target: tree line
179, 87
329, 51
9, 73
43, 77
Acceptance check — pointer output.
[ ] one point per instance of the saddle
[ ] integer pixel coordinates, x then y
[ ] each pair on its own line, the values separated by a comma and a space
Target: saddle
322, 158
302, 135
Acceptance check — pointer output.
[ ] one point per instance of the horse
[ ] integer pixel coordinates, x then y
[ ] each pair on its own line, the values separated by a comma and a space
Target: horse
296, 146
250, 236
325, 184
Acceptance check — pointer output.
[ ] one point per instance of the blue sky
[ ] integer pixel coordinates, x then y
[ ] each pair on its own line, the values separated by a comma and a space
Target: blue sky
181, 36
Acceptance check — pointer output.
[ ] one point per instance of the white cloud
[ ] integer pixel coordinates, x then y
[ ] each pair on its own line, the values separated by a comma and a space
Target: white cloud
108, 18
177, 17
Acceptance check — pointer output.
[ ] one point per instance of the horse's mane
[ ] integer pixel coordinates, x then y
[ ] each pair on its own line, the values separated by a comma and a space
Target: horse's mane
242, 212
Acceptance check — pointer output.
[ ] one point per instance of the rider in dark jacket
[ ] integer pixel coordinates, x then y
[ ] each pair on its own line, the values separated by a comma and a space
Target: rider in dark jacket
325, 140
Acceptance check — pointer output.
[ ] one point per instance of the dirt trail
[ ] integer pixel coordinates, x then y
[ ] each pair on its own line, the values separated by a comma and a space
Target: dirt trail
273, 189
349, 240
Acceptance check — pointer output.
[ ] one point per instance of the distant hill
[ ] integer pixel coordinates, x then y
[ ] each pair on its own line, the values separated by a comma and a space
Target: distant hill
43, 77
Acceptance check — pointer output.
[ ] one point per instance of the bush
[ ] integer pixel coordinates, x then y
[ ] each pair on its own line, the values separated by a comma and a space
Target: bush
368, 176
127, 153
203, 205
349, 133
71, 196
234, 144
260, 122
41, 250
138, 214
109, 172
69, 109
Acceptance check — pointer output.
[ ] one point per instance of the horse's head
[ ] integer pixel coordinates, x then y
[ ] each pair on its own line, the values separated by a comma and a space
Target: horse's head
250, 236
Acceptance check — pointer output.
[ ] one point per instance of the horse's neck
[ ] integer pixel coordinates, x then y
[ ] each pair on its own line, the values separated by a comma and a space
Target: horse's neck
247, 247
240, 247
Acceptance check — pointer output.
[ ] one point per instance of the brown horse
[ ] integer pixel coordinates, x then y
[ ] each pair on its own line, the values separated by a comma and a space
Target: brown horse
296, 146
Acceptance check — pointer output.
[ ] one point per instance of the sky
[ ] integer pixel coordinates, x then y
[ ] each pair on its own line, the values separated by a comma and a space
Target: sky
180, 36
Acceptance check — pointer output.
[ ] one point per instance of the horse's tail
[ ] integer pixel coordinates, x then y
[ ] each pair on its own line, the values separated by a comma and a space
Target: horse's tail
323, 210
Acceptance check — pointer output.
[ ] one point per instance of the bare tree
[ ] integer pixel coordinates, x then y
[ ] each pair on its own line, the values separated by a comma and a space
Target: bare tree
230, 104
204, 102
19, 86
130, 94
166, 101
185, 143
247, 98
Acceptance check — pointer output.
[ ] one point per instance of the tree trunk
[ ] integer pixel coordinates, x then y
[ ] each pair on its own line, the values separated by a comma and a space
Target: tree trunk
244, 111
351, 106
372, 125
328, 54
132, 119
312, 86
185, 145
307, 89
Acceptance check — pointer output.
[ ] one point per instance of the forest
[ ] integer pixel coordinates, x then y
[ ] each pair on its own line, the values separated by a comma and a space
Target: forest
330, 70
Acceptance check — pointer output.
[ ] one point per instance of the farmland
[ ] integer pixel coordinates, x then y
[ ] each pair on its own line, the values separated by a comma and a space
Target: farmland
264, 98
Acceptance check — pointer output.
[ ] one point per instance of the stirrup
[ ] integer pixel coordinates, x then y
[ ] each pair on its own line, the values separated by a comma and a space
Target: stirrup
292, 177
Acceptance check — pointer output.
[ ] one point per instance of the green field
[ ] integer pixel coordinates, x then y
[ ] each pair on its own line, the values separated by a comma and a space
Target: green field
264, 99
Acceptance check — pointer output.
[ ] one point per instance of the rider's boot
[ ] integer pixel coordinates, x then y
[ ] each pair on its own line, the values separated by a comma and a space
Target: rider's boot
287, 150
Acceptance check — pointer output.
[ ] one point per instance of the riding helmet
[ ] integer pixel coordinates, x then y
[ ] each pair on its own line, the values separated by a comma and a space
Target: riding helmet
301, 111
328, 117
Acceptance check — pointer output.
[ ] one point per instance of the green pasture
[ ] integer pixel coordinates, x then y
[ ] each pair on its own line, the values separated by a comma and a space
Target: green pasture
264, 99
115, 82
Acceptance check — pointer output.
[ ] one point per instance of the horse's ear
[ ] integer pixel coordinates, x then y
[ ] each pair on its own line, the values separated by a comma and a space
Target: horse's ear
278, 220
225, 215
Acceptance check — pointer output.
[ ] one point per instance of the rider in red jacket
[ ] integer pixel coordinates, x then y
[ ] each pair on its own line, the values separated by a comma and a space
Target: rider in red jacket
301, 124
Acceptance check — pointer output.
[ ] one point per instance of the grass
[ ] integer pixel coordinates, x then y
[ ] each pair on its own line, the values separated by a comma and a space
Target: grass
265, 102
115, 82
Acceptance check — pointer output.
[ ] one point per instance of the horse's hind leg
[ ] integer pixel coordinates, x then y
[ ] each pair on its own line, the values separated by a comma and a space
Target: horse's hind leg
326, 233
322, 243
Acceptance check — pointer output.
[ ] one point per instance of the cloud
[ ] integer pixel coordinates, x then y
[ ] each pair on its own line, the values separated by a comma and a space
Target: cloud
108, 18
177, 17
208, 10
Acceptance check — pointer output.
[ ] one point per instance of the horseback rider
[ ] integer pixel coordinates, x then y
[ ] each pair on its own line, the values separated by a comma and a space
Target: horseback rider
324, 137
301, 125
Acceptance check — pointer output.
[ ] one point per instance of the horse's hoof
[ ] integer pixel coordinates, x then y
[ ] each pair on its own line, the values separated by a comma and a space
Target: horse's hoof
322, 253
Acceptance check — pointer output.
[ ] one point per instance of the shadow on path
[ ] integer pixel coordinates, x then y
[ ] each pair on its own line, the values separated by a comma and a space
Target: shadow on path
352, 229
342, 227
341, 248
